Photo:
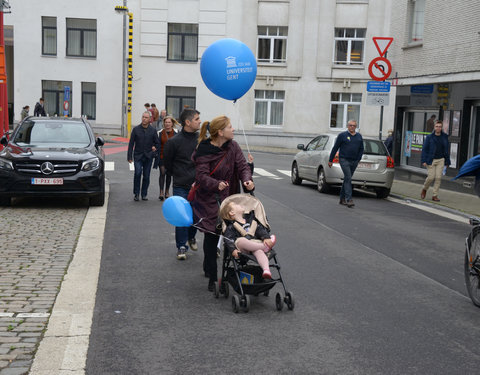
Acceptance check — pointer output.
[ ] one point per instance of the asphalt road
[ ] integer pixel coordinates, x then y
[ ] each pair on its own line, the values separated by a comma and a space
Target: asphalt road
378, 289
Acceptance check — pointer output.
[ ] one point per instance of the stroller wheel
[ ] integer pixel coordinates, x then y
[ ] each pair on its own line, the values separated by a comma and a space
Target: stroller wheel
289, 301
279, 301
235, 304
225, 288
245, 302
216, 290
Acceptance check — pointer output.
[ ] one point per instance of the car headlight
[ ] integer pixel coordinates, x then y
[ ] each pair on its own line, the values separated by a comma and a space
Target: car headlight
6, 164
90, 164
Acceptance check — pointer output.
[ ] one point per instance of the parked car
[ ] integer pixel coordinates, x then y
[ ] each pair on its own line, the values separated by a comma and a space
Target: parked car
52, 157
375, 170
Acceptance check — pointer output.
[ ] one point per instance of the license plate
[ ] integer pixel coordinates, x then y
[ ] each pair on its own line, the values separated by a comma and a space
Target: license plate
47, 181
365, 165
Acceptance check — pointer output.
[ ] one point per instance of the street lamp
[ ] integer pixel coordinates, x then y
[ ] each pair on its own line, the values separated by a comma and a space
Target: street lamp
123, 9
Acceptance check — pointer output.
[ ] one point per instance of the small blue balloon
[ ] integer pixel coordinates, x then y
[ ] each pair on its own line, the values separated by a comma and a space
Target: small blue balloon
228, 68
178, 211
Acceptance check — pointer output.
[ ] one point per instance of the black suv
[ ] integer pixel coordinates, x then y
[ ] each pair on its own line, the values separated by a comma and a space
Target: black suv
51, 157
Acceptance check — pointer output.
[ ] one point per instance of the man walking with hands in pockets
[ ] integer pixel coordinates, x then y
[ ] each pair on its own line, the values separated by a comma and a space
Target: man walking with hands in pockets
350, 144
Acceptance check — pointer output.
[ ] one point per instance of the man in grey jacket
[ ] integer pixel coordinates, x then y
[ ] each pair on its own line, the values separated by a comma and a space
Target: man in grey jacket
143, 144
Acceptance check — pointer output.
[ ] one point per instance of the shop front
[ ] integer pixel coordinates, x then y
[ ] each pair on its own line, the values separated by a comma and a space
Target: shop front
456, 104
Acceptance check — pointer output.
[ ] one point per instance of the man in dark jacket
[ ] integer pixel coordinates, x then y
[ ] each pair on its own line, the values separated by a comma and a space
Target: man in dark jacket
39, 109
435, 155
144, 140
177, 157
350, 144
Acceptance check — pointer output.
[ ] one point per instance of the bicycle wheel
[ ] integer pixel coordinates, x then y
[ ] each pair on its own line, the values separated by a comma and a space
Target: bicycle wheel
472, 266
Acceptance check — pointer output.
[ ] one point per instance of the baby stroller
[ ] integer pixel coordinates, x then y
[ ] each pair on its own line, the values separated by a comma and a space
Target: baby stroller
244, 274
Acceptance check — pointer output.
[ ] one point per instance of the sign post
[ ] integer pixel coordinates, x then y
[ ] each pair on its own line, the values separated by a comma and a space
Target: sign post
379, 70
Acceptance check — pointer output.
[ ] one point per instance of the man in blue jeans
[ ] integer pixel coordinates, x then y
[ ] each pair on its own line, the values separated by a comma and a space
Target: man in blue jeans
143, 144
350, 144
177, 157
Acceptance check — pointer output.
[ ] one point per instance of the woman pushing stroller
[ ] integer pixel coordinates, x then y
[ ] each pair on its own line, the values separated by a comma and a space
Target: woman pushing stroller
219, 165
245, 234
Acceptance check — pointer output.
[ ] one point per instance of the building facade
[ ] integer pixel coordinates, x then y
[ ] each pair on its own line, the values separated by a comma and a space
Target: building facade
312, 59
437, 73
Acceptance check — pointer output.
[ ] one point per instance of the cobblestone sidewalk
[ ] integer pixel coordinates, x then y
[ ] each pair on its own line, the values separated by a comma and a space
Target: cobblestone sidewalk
36, 248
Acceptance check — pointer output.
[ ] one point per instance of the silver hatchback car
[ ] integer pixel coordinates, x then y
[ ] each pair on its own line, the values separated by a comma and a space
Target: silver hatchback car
375, 170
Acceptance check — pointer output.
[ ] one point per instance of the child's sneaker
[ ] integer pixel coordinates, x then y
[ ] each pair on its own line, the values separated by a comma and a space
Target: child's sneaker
267, 274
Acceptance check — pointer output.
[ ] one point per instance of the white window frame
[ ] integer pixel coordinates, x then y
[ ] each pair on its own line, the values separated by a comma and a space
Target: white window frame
272, 34
269, 102
345, 100
417, 21
349, 40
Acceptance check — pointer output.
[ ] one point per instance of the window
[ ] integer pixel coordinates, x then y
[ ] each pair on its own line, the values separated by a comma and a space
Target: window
272, 44
349, 45
89, 100
344, 107
54, 93
49, 36
417, 15
269, 107
81, 37
179, 98
182, 42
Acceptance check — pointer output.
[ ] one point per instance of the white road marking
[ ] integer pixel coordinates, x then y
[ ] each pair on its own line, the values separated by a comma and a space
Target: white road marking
264, 173
431, 210
109, 165
6, 315
284, 171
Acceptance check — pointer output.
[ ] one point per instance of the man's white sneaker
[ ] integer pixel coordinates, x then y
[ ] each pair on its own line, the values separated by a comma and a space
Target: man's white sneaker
181, 253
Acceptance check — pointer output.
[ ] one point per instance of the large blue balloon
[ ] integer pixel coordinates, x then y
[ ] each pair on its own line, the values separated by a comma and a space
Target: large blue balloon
177, 211
228, 68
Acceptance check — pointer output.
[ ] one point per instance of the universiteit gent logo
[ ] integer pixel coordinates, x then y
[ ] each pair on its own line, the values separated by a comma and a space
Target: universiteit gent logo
231, 62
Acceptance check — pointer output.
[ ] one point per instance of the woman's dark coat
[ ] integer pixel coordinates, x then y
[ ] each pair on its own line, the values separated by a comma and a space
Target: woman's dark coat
232, 168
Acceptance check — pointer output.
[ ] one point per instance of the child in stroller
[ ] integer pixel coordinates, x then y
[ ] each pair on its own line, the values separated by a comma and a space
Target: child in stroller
244, 233
248, 257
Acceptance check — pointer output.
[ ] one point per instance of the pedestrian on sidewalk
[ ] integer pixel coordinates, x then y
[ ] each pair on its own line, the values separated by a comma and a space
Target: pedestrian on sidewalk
177, 158
389, 142
143, 145
219, 163
435, 156
164, 135
39, 109
25, 112
350, 144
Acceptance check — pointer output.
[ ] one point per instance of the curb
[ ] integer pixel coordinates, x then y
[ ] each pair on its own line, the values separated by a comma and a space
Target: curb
63, 349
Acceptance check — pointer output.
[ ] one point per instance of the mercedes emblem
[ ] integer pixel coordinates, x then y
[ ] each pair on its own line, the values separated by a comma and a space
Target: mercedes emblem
47, 168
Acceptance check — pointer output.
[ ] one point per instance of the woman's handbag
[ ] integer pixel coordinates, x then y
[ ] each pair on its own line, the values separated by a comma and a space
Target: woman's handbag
192, 192
195, 186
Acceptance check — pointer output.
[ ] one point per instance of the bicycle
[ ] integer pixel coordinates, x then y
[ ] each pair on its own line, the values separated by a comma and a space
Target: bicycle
472, 262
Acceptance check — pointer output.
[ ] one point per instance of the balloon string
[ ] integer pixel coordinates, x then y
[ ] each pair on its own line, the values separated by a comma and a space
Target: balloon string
241, 125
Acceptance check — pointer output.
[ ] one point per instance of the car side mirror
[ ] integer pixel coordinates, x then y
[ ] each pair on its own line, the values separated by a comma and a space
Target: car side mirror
301, 146
100, 142
4, 140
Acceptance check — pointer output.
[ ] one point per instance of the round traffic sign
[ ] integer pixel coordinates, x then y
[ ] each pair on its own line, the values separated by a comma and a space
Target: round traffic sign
380, 69
65, 105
